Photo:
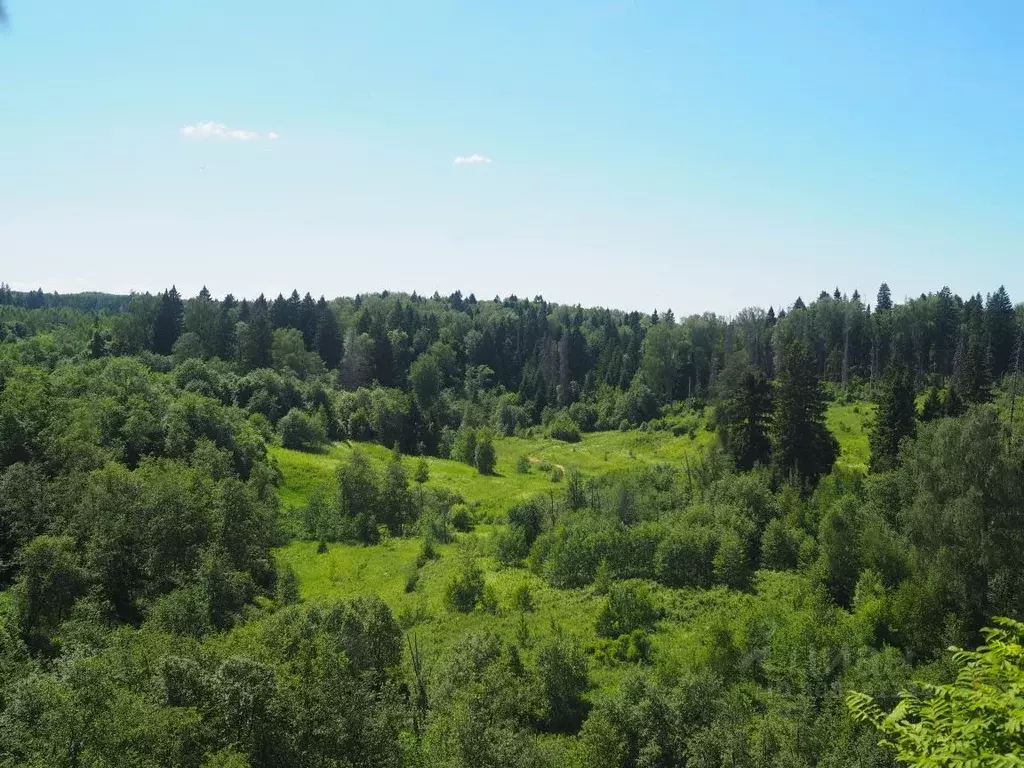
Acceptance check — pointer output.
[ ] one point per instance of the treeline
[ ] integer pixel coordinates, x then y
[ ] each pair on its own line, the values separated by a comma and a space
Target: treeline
419, 368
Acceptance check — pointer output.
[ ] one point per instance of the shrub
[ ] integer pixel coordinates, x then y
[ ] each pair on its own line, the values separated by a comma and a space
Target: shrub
485, 457
287, 586
464, 447
780, 546
510, 546
634, 648
686, 558
422, 472
628, 607
427, 552
556, 474
585, 416
563, 678
489, 599
465, 589
522, 465
300, 431
565, 429
522, 599
462, 519
412, 580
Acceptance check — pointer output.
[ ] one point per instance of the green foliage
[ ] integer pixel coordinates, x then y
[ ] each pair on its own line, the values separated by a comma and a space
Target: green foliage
154, 612
743, 415
895, 420
564, 681
466, 588
802, 446
565, 429
628, 607
300, 431
977, 720
484, 457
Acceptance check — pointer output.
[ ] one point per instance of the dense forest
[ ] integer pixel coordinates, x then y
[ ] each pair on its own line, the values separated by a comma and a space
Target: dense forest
753, 602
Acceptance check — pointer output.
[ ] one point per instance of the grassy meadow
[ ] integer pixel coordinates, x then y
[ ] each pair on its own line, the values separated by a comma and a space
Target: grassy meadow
346, 570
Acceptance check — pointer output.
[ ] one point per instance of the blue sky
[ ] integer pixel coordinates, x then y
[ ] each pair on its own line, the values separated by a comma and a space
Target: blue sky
699, 156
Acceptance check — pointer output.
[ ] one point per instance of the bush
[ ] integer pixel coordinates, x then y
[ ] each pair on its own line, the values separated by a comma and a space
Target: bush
511, 546
422, 472
522, 465
686, 558
628, 607
522, 599
300, 431
465, 589
287, 586
427, 552
634, 648
780, 546
585, 415
565, 429
563, 678
462, 519
485, 457
464, 447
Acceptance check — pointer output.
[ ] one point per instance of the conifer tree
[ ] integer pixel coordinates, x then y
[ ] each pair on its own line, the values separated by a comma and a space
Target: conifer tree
895, 419
801, 443
743, 415
1000, 328
328, 335
167, 326
883, 302
932, 408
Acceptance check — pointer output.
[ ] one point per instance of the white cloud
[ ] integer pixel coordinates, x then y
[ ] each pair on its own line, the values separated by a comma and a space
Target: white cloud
473, 159
214, 130
272, 136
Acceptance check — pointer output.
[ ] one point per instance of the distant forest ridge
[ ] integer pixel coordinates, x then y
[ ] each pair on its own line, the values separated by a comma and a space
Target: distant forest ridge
554, 354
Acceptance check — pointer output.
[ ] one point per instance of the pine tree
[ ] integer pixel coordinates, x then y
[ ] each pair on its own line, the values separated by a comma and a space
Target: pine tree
327, 341
973, 382
294, 310
227, 317
308, 320
932, 408
883, 302
801, 443
279, 313
895, 419
167, 326
1000, 327
97, 344
743, 416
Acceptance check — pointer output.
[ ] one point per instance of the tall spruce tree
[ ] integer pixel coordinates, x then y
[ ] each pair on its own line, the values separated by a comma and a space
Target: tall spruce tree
1000, 325
895, 419
883, 301
743, 415
169, 317
328, 335
802, 446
